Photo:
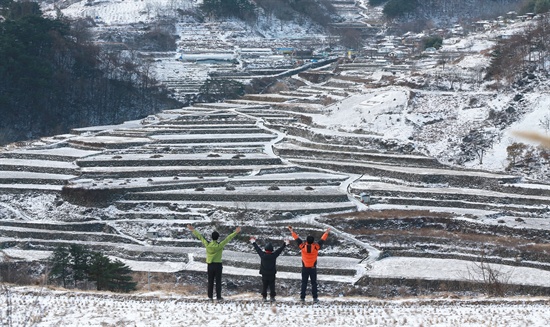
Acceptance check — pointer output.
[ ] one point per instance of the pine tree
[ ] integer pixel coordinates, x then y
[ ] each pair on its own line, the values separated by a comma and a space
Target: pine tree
111, 276
120, 279
60, 266
98, 271
80, 262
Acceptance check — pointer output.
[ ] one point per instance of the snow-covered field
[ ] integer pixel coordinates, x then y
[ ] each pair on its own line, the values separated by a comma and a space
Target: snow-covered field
25, 306
390, 112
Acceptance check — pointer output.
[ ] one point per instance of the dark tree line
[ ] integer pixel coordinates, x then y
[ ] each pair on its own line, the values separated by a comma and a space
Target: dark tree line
463, 9
537, 6
319, 11
52, 78
75, 265
229, 8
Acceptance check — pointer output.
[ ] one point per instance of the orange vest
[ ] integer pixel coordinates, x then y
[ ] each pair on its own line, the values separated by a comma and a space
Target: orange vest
309, 254
309, 251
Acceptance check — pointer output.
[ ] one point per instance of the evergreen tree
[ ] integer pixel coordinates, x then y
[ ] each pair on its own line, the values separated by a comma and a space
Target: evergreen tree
60, 266
80, 262
99, 272
111, 276
120, 279
76, 264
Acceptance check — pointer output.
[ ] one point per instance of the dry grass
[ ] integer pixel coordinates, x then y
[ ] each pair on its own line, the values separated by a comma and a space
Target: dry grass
433, 234
166, 282
401, 231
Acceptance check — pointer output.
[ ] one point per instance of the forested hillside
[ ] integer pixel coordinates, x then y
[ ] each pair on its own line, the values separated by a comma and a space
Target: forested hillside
52, 78
429, 13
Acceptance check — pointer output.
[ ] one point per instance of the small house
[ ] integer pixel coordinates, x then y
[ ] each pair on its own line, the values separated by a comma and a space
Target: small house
365, 198
152, 234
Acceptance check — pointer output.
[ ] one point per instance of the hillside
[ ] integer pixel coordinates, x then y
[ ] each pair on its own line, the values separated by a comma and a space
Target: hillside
404, 156
73, 82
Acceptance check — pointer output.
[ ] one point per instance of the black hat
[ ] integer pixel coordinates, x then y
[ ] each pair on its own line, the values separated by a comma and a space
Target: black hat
269, 247
309, 239
215, 235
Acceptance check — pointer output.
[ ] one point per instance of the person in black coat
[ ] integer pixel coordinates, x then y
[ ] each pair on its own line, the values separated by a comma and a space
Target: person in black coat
268, 266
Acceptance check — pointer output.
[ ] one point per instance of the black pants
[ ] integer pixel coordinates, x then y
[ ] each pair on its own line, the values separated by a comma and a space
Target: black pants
268, 281
309, 273
215, 273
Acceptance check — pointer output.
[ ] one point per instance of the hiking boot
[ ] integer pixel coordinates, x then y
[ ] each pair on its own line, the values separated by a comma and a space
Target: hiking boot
219, 299
315, 300
265, 299
272, 299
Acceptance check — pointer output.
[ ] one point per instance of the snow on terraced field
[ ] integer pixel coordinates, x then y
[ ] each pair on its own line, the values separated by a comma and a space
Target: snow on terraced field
364, 162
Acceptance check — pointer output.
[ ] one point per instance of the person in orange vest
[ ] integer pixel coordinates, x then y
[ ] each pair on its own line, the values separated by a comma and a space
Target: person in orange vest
310, 250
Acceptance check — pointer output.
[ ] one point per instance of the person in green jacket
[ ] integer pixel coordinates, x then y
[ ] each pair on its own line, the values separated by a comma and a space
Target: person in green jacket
214, 251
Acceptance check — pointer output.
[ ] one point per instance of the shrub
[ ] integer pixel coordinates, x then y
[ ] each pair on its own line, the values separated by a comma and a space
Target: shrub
433, 42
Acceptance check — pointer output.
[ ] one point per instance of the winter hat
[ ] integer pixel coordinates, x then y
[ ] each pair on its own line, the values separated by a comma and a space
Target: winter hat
269, 247
215, 235
309, 239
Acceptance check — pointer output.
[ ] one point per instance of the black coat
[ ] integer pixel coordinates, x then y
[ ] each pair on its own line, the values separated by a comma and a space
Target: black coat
268, 265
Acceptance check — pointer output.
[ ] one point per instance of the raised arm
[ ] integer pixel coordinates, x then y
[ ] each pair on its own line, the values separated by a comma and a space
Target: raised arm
230, 236
295, 236
324, 237
280, 250
256, 247
197, 235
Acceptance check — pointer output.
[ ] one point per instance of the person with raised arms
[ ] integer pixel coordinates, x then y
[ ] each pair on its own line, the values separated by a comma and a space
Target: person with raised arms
214, 250
309, 250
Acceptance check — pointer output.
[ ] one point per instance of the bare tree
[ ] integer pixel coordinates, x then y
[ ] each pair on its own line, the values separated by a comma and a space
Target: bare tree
477, 142
545, 123
493, 279
515, 151
7, 320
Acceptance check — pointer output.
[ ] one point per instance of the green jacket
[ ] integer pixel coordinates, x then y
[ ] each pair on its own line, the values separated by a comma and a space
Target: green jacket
214, 248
